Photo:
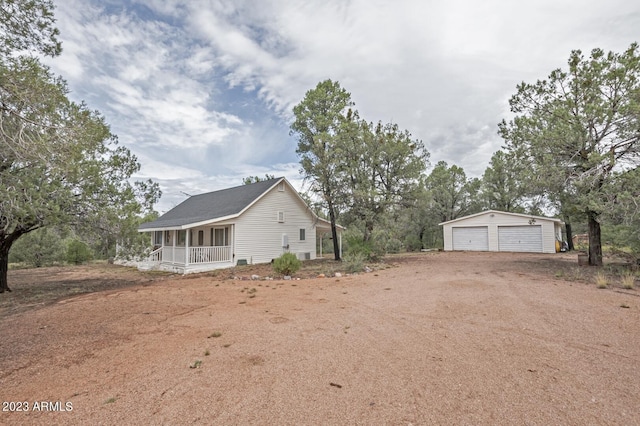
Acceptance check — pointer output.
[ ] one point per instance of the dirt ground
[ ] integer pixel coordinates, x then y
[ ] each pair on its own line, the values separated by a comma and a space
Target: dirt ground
438, 338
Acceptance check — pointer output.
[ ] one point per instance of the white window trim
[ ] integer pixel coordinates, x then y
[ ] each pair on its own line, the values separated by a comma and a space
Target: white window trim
280, 217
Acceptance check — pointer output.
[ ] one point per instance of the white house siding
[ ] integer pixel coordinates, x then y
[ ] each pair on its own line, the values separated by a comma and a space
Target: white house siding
493, 219
258, 236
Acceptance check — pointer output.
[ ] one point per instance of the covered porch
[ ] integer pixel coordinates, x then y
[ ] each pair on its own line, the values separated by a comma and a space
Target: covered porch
195, 249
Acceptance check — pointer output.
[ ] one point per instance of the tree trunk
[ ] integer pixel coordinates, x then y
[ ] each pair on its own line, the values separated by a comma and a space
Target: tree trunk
4, 266
595, 243
334, 232
569, 236
6, 241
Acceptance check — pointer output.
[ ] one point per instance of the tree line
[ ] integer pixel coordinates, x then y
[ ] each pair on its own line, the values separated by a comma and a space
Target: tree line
572, 148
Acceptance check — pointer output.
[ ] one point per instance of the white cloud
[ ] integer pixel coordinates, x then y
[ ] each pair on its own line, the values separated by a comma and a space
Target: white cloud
202, 90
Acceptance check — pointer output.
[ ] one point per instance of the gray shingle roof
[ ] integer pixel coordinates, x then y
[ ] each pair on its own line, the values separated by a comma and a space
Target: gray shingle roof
212, 205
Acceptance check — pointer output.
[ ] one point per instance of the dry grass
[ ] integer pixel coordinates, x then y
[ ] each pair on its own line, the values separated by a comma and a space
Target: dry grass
628, 280
602, 279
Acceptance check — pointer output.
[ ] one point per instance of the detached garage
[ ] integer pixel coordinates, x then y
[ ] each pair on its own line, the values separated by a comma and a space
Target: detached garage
502, 231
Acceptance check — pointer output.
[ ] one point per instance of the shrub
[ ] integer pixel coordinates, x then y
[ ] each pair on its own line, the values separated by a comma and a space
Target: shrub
353, 262
38, 248
393, 245
78, 252
412, 243
371, 250
287, 264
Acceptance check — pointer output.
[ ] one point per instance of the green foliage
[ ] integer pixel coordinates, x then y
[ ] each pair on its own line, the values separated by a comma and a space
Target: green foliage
287, 264
502, 185
78, 252
28, 25
412, 243
360, 170
576, 129
621, 228
380, 167
319, 118
451, 195
355, 245
353, 262
255, 179
59, 163
42, 247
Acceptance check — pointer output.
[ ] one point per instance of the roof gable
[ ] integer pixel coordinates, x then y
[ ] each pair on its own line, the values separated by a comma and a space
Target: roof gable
228, 202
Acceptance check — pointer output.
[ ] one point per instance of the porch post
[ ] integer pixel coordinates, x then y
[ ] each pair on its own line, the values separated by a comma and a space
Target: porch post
173, 250
162, 246
186, 247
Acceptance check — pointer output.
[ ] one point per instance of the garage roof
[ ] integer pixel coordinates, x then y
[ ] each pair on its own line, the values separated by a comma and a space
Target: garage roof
529, 216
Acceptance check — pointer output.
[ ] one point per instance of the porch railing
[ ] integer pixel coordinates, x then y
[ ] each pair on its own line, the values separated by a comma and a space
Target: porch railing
156, 255
208, 254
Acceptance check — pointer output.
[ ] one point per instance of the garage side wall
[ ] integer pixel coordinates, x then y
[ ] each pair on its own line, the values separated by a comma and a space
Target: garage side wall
492, 220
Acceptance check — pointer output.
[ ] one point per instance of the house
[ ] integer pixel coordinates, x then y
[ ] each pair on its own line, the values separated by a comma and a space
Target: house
247, 224
494, 230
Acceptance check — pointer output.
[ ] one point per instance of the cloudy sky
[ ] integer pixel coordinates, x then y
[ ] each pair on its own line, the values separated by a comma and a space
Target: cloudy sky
202, 91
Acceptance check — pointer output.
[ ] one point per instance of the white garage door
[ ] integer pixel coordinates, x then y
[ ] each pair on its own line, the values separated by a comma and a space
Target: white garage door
520, 238
474, 238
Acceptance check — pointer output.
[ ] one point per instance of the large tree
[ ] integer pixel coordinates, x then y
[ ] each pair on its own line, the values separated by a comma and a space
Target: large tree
451, 195
380, 168
579, 127
59, 162
319, 119
622, 211
502, 185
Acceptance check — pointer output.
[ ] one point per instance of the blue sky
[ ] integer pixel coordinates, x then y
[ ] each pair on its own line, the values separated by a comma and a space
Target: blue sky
202, 91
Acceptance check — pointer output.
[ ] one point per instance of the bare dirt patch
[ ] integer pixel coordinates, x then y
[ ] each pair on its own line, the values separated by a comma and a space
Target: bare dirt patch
440, 338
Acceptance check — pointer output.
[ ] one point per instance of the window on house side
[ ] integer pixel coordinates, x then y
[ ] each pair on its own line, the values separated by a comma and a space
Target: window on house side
302, 234
280, 216
200, 237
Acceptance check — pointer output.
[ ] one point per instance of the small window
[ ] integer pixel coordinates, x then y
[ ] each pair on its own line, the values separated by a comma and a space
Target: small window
302, 234
280, 216
281, 187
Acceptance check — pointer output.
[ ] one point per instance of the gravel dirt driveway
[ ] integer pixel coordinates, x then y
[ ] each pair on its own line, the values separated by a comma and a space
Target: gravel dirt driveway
440, 338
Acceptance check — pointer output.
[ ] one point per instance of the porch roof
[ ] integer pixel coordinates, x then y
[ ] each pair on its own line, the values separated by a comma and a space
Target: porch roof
211, 206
